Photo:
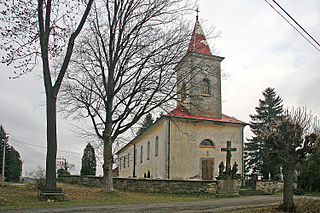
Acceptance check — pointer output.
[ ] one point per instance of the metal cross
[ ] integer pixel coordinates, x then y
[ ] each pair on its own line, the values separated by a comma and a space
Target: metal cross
197, 10
228, 158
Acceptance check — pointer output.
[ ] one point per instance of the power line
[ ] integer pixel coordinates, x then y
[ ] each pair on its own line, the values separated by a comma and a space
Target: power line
296, 22
293, 25
42, 147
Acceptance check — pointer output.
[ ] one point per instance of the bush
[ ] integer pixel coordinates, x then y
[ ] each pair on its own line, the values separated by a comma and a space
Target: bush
39, 175
298, 191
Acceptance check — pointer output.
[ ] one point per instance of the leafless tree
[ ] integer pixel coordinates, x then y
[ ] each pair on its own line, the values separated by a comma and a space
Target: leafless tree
295, 135
46, 28
124, 67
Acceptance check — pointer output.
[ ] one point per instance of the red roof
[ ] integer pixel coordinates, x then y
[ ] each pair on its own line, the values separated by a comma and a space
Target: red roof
182, 112
198, 42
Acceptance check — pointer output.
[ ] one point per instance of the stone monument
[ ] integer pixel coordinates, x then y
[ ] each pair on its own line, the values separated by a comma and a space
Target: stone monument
229, 181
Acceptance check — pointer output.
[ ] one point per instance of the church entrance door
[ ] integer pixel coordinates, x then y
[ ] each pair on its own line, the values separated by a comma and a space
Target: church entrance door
207, 169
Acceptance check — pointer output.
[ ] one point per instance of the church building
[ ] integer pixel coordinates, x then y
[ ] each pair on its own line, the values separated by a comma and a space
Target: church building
189, 142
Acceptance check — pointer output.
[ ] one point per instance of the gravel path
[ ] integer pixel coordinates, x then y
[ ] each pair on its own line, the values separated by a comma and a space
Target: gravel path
219, 205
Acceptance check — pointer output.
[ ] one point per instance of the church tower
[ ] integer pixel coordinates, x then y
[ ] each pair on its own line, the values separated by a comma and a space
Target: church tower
199, 78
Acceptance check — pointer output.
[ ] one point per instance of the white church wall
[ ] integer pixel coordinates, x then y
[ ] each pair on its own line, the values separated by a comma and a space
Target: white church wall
155, 164
186, 153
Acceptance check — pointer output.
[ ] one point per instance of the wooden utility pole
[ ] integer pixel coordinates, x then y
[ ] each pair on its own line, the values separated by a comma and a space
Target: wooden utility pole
3, 157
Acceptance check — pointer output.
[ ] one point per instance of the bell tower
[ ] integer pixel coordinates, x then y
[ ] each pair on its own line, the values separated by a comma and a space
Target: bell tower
199, 78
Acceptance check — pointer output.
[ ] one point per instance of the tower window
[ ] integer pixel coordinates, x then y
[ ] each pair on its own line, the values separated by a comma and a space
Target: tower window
205, 86
206, 143
183, 91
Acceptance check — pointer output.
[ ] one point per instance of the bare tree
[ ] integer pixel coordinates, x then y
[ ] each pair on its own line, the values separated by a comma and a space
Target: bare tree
54, 25
294, 136
124, 67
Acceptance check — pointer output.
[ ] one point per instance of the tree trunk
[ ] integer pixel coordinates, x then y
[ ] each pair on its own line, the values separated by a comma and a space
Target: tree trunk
288, 172
107, 158
51, 142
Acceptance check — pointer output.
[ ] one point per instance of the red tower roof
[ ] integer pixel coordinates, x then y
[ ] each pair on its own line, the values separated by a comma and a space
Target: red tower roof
198, 42
182, 112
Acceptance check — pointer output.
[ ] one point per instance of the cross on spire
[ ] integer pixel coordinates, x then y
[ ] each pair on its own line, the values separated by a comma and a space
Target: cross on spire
228, 158
197, 11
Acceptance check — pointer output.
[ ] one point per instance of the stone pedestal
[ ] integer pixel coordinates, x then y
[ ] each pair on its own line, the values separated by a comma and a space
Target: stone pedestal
228, 187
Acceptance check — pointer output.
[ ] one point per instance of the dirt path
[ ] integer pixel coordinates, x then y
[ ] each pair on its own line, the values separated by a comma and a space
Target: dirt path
219, 205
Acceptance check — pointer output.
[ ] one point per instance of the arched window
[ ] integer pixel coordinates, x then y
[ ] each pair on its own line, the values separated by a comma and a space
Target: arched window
205, 86
183, 91
148, 150
128, 159
156, 147
206, 143
141, 154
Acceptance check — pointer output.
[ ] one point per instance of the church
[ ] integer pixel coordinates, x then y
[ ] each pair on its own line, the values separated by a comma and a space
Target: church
188, 143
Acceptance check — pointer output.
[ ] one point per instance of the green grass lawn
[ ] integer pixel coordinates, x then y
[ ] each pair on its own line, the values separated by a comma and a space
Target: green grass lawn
25, 196
302, 206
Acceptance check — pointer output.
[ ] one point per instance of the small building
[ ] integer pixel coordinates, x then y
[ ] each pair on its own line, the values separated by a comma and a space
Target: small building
186, 143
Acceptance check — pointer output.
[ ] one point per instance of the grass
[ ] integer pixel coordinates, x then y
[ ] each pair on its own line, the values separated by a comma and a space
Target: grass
302, 205
25, 196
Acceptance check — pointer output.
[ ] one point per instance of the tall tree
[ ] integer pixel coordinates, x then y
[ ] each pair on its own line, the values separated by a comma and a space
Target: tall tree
309, 172
148, 121
270, 108
125, 67
13, 163
46, 28
89, 163
292, 137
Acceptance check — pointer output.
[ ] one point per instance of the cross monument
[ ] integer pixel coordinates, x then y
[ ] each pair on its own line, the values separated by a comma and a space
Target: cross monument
228, 158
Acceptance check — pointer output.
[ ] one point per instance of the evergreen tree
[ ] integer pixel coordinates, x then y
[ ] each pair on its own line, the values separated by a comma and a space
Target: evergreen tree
13, 163
89, 163
256, 162
309, 173
148, 121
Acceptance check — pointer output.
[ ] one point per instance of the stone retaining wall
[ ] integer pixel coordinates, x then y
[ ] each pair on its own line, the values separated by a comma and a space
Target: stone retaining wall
269, 186
147, 185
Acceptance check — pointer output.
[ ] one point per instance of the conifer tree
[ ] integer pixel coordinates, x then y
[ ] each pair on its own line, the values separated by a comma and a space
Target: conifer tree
270, 109
148, 121
89, 163
13, 163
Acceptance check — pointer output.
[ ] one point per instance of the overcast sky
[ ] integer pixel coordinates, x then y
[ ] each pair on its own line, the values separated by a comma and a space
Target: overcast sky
260, 48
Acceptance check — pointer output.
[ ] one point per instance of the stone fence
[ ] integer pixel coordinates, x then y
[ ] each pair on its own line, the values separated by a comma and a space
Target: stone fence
147, 185
269, 186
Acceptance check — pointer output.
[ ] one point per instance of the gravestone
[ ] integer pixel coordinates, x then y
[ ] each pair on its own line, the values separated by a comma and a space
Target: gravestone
228, 181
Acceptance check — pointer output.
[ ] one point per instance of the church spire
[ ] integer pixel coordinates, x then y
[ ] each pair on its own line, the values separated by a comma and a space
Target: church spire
198, 42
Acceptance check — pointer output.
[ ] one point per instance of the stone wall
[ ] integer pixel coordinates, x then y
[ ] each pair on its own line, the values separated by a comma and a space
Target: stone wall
269, 186
147, 185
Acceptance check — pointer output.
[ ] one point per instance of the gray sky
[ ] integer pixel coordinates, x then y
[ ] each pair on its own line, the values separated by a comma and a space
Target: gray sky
260, 48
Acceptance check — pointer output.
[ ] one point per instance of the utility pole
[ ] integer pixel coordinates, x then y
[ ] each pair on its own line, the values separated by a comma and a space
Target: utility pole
3, 157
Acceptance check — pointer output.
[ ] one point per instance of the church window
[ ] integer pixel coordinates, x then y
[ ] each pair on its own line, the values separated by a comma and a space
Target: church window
183, 91
120, 163
156, 147
128, 160
148, 150
124, 162
135, 157
141, 154
205, 86
206, 144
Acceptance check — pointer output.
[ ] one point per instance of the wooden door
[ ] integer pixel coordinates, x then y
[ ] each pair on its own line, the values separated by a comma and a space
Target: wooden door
207, 169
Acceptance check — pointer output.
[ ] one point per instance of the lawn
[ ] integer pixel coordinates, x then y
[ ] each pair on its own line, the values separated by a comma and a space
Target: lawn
302, 206
25, 196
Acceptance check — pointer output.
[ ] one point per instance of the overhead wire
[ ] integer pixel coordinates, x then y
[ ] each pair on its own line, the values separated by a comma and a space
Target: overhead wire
293, 25
42, 147
296, 22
